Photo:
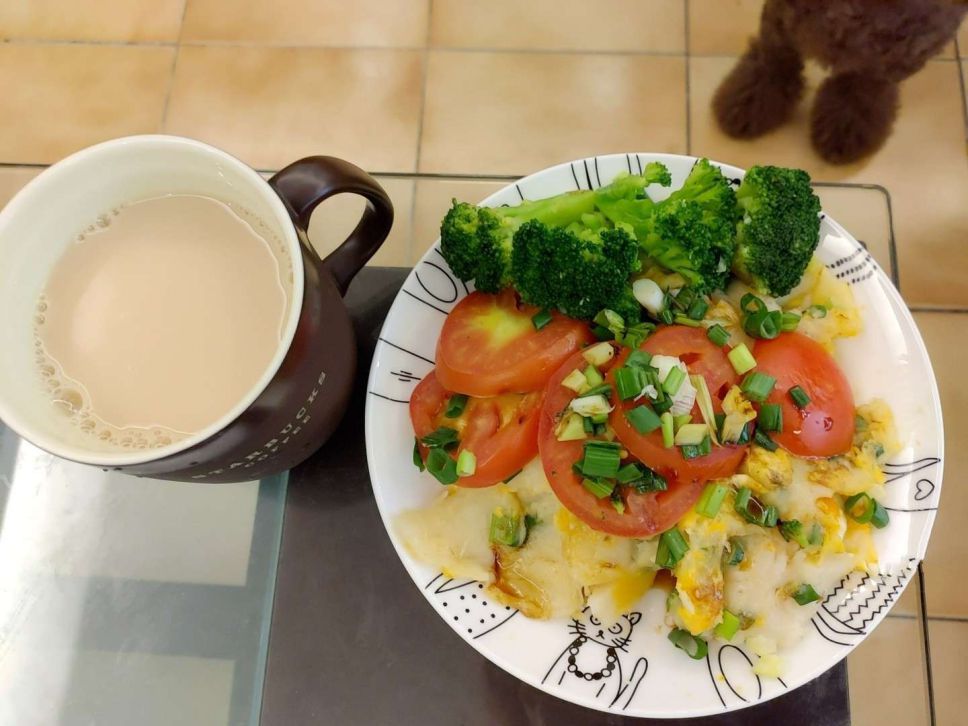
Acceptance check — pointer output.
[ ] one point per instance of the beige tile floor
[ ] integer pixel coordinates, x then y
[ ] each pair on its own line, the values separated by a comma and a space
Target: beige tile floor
462, 87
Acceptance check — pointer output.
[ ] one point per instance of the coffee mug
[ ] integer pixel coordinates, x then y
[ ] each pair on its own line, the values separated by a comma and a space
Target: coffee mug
301, 397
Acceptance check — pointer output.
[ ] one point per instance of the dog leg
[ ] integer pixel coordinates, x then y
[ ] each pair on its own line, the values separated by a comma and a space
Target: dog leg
763, 89
852, 116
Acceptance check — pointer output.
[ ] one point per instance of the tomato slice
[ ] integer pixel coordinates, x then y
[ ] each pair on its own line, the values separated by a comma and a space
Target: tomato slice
501, 431
826, 426
702, 357
645, 514
489, 346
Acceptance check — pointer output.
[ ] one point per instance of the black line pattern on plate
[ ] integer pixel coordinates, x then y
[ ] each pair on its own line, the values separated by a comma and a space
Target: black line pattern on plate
410, 352
574, 175
588, 178
451, 298
923, 489
722, 670
593, 662
388, 398
420, 299
517, 188
436, 249
628, 162
638, 161
467, 607
899, 471
405, 376
598, 177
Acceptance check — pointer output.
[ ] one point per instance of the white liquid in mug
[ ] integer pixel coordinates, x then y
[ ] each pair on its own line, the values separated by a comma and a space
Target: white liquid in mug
159, 318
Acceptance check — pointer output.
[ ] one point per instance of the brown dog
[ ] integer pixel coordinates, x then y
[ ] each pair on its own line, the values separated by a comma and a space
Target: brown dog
870, 46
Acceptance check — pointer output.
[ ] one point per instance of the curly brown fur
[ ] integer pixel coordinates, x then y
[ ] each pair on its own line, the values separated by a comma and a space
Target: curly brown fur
868, 45
852, 116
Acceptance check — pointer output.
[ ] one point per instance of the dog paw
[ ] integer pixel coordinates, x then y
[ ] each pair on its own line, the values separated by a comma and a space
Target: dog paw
760, 93
852, 116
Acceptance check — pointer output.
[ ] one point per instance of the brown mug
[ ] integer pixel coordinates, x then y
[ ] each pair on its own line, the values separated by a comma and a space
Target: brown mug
303, 394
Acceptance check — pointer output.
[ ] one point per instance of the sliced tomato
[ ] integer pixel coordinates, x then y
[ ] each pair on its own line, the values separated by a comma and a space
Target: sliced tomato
489, 346
644, 515
826, 426
702, 357
501, 431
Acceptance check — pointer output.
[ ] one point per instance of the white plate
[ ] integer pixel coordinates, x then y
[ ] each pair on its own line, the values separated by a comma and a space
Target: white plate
653, 679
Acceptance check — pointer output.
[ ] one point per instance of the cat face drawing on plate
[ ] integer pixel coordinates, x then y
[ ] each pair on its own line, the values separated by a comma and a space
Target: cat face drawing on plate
592, 661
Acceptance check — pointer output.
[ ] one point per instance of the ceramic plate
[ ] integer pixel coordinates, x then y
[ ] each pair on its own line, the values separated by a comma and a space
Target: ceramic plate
651, 678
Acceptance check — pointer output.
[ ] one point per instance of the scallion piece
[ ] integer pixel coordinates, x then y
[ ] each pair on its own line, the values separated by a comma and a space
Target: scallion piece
736, 551
417, 458
729, 627
770, 417
881, 518
685, 320
756, 386
672, 548
770, 516
601, 488
587, 424
789, 322
817, 311
629, 473
763, 439
593, 377
650, 482
805, 594
602, 389
541, 319
638, 359
860, 507
815, 538
691, 434
673, 381
599, 461
629, 382
466, 463
442, 466
506, 529
711, 499
680, 421
706, 445
690, 451
599, 418
668, 430
741, 359
602, 333
698, 309
799, 397
644, 419
750, 509
792, 531
667, 316
694, 646
455, 405
442, 438
663, 404
618, 504
718, 335
598, 354
636, 334
749, 303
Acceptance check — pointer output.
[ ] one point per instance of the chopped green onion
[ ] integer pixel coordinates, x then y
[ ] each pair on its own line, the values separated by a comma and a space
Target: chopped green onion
591, 403
860, 423
881, 518
690, 451
792, 531
705, 403
729, 627
629, 382
691, 434
417, 458
720, 419
541, 319
600, 429
799, 397
749, 303
662, 405
442, 466
672, 548
770, 417
683, 320
507, 529
736, 551
816, 535
757, 386
747, 433
643, 419
629, 473
442, 438
694, 646
754, 512
599, 418
673, 381
763, 439
455, 405
651, 482
617, 502
684, 298
667, 316
611, 320
638, 358
878, 449
599, 461
600, 488
602, 389
575, 381
680, 421
587, 424
698, 309
860, 507
593, 377
466, 463
571, 428
770, 516
602, 333
741, 359
718, 335
805, 594
636, 334
789, 322
668, 429
711, 499
817, 311
531, 521
598, 354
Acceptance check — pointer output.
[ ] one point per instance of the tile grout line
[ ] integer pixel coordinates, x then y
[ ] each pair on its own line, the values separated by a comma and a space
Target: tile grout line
425, 72
685, 10
174, 67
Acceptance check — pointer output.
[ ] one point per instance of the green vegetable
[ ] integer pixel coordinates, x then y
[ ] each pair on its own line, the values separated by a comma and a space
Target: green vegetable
541, 319
789, 323
668, 429
442, 466
779, 228
736, 551
593, 377
673, 381
817, 311
729, 627
601, 488
752, 510
507, 529
672, 548
718, 335
691, 434
799, 397
417, 458
763, 439
466, 463
863, 508
601, 459
805, 594
638, 359
629, 381
644, 419
455, 405
756, 386
881, 518
442, 438
572, 428
770, 417
741, 359
792, 531
711, 499
759, 321
694, 646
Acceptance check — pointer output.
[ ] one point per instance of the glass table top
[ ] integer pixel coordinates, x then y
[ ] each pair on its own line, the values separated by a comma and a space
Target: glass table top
122, 596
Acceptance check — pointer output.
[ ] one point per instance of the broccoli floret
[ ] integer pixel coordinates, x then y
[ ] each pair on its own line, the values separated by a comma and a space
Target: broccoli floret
576, 273
692, 232
779, 229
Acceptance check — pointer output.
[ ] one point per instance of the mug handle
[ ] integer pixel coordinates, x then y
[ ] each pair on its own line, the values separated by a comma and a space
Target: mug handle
304, 184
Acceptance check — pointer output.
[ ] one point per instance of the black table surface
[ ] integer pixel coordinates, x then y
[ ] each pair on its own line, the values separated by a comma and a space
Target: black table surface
353, 641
